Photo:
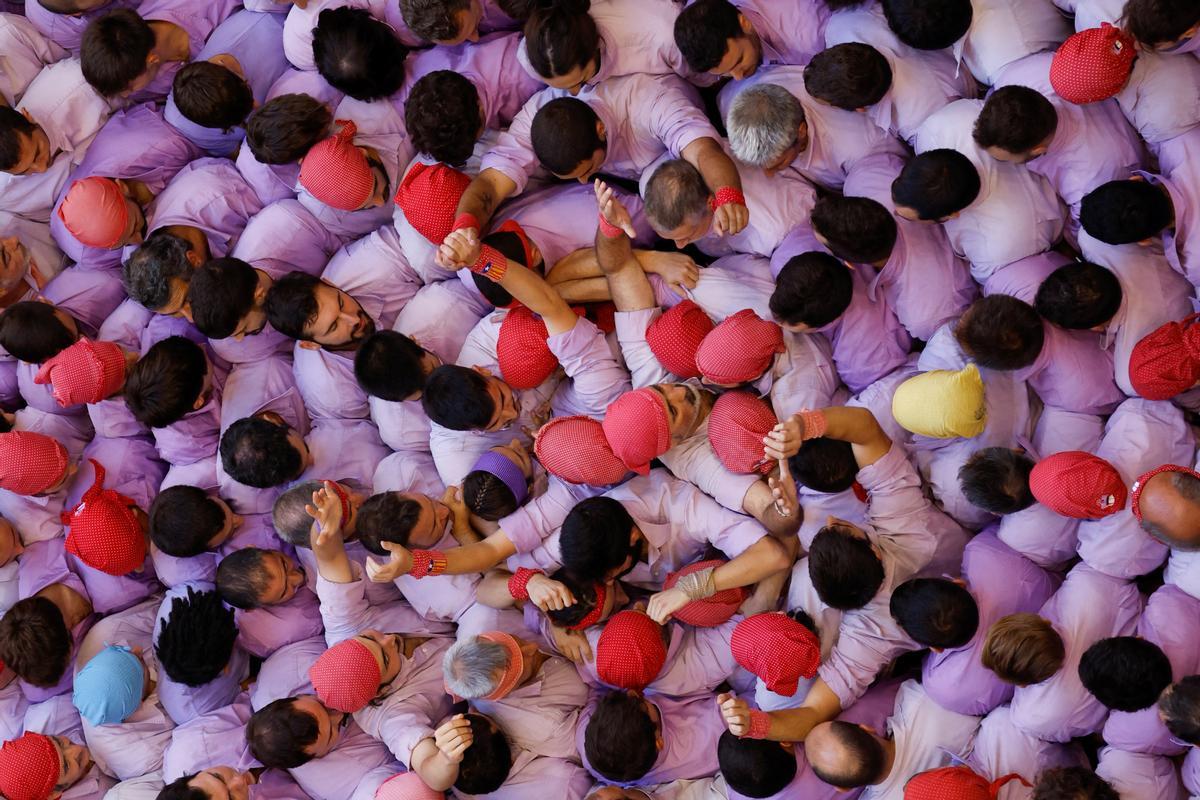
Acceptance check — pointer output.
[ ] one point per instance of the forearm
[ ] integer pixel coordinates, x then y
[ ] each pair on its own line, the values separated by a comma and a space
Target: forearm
432, 767
493, 592
717, 169
760, 504
585, 290
333, 564
475, 558
763, 559
539, 297
486, 192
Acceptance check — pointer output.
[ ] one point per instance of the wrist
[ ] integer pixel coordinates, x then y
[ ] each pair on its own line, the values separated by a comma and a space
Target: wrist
518, 584
813, 424
760, 725
426, 563
726, 195
608, 230
465, 220
491, 264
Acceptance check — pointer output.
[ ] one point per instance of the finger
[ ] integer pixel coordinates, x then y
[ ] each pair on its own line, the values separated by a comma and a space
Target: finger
723, 697
585, 650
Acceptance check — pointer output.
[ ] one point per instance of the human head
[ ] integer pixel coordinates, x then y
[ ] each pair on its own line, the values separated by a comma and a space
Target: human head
855, 229
487, 762
347, 676
344, 175
1121, 212
214, 783
393, 367
850, 76
593, 601
576, 450
409, 519
169, 382
716, 38
1093, 64
845, 755
1023, 649
1078, 484
292, 731
675, 336
1125, 673
35, 642
844, 567
1079, 296
10, 545
157, 273
488, 666
444, 22
358, 54
755, 767
1166, 501
110, 686
196, 639
935, 186
1166, 361
305, 307
251, 577
928, 24
811, 291
524, 357
631, 651
428, 196
712, 611
117, 53
498, 483
33, 463
1001, 332
212, 94
1016, 124
463, 399
36, 767
563, 44
106, 530
996, 479
15, 261
99, 212
1072, 783
738, 424
186, 521
1161, 24
284, 128
443, 115
767, 127
959, 782
263, 452
824, 465
569, 139
33, 331
227, 297
292, 521
24, 146
935, 612
1179, 709
638, 427
778, 650
623, 737
739, 349
599, 539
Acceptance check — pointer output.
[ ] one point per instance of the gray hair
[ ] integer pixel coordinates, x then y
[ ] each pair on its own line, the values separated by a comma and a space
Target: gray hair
291, 521
762, 123
147, 274
474, 667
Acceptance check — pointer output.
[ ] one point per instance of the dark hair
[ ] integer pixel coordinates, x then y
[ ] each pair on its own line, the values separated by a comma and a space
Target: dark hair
1015, 119
35, 642
183, 520
386, 517
1179, 707
824, 465
509, 245
702, 31
1001, 332
457, 398
148, 272
196, 640
357, 54
936, 184
114, 49
857, 229
292, 303
1023, 649
996, 479
675, 193
1125, 673
1155, 22
278, 733
585, 599
31, 332
221, 292
1072, 783
487, 496
620, 742
850, 76
433, 21
284, 128
486, 763
1079, 296
928, 24
165, 383
862, 763
388, 366
1121, 212
595, 537
755, 767
211, 95
12, 123
241, 579
812, 289
935, 612
178, 789
442, 116
844, 569
257, 452
561, 36
564, 134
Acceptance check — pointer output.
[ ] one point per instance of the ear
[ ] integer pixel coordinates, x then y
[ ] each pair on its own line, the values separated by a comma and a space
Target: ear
601, 131
306, 345
260, 295
746, 25
199, 402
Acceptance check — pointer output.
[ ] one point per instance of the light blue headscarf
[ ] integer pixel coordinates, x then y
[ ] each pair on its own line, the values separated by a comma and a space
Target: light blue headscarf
109, 687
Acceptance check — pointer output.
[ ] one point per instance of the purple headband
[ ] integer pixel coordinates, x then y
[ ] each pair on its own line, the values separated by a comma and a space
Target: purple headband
504, 469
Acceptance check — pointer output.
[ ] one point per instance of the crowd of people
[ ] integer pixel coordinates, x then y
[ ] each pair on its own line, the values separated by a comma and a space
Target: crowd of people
621, 400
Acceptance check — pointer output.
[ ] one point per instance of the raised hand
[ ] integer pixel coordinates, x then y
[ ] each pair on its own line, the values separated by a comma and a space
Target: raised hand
572, 644
735, 712
453, 737
399, 563
548, 594
459, 249
784, 440
730, 218
326, 512
613, 211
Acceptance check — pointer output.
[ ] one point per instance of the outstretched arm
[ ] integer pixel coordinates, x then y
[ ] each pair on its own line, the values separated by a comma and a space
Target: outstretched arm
719, 172
788, 725
631, 290
487, 191
326, 535
857, 426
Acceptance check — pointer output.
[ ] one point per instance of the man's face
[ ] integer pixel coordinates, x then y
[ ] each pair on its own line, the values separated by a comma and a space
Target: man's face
177, 304
388, 650
505, 408
584, 171
791, 153
10, 543
692, 230
743, 55
255, 319
135, 226
379, 191
223, 783
33, 153
283, 579
468, 25
617, 793
431, 524
684, 404
293, 437
74, 761
340, 322
576, 79
14, 263
329, 724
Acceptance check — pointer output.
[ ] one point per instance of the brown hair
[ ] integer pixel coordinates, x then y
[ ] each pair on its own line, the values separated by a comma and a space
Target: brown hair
1023, 649
35, 642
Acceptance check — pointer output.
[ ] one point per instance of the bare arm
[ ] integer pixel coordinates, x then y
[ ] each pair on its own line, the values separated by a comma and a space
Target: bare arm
436, 759
788, 725
485, 193
718, 171
760, 503
857, 426
630, 289
493, 592
326, 536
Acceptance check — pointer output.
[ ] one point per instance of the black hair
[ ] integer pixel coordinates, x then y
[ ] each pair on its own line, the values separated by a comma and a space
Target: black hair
857, 229
211, 95
1121, 212
561, 36
433, 20
620, 741
31, 332
996, 479
675, 193
114, 49
1072, 783
196, 640
509, 245
178, 789
585, 596
284, 128
1079, 296
1155, 22
850, 76
1125, 673
388, 366
292, 303
863, 761
183, 520
844, 568
1001, 332
595, 537
824, 465
487, 496
162, 387
935, 612
257, 452
812, 289
35, 642
928, 24
486, 763
702, 31
1015, 119
442, 116
564, 135
278, 733
357, 54
755, 767
13, 126
457, 398
1179, 707
147, 274
386, 517
221, 292
241, 579
936, 184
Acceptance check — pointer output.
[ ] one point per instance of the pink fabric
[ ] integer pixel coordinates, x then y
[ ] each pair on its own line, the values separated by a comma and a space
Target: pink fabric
336, 172
574, 449
736, 428
525, 359
94, 212
1166, 362
777, 649
954, 783
1093, 65
711, 611
29, 767
516, 662
1140, 484
406, 786
428, 196
740, 349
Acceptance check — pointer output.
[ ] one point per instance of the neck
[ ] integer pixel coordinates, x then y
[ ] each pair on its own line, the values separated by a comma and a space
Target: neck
73, 606
171, 42
411, 643
139, 192
889, 759
194, 237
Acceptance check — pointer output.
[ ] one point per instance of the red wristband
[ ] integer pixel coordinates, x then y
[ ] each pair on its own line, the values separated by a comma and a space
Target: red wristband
491, 264
608, 230
465, 221
813, 422
726, 195
519, 581
760, 725
427, 562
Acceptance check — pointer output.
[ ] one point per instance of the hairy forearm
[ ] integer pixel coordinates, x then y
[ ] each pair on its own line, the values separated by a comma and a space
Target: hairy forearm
763, 559
475, 558
717, 169
486, 192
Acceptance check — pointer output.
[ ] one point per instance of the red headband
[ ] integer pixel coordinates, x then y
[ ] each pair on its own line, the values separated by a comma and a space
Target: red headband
1140, 484
594, 615
342, 496
516, 663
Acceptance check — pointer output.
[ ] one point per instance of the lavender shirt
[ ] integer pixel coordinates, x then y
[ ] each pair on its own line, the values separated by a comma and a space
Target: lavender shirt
24, 51
791, 33
215, 739
1139, 776
69, 110
208, 194
1003, 31
262, 631
541, 714
198, 20
1001, 748
66, 30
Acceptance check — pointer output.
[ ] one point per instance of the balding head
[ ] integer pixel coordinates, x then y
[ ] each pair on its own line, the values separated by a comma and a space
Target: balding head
1169, 504
845, 755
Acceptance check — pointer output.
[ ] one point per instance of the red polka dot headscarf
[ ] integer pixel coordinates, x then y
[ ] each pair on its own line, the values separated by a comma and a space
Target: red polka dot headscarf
1093, 65
346, 676
574, 449
30, 463
104, 532
631, 651
336, 172
428, 197
676, 335
1140, 484
736, 428
711, 611
1166, 362
525, 359
406, 786
94, 212
85, 372
637, 428
740, 349
777, 649
955, 783
29, 767
1078, 484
